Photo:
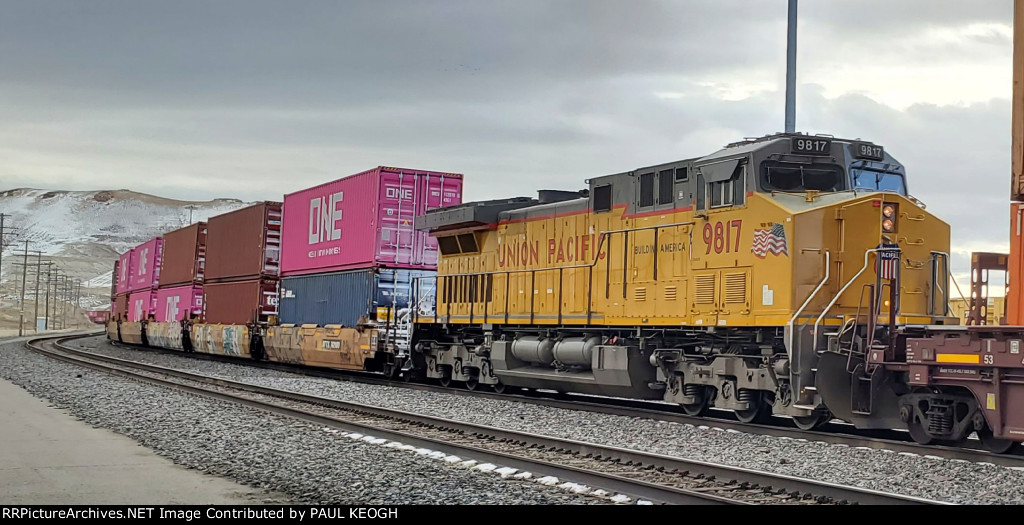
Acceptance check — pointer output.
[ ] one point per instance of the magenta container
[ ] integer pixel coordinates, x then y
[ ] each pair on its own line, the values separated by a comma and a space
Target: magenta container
141, 305
178, 303
145, 270
367, 219
124, 272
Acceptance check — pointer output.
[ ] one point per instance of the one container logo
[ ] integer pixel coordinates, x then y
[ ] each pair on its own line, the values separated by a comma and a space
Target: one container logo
324, 215
142, 261
172, 308
402, 194
138, 310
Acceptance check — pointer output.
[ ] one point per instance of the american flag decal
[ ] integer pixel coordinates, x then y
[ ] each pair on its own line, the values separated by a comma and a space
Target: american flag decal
889, 261
771, 241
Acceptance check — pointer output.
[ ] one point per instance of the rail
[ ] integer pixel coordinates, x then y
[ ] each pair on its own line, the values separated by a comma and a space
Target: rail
643, 474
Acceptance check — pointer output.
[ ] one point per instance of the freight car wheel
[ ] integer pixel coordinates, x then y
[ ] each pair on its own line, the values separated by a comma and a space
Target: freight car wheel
994, 444
446, 377
919, 434
499, 387
472, 383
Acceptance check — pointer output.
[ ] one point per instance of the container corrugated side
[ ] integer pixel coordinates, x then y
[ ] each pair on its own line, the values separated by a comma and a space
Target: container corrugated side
124, 272
113, 280
184, 259
141, 305
179, 303
345, 297
119, 307
364, 220
146, 259
240, 302
244, 244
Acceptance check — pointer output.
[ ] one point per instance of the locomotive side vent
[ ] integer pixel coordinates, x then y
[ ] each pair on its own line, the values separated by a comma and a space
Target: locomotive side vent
640, 293
705, 289
670, 293
736, 288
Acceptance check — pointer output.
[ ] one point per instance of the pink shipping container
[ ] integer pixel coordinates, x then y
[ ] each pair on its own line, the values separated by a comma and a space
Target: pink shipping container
124, 272
146, 259
178, 303
367, 219
141, 305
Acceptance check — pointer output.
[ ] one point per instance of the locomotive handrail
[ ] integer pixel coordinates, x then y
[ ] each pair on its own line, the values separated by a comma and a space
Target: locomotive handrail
949, 272
841, 290
792, 321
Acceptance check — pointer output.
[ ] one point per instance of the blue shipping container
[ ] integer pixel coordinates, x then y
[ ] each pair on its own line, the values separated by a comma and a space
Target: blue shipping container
344, 297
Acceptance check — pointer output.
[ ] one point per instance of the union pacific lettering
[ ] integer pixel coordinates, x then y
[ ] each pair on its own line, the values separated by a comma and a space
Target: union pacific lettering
571, 249
519, 254
574, 249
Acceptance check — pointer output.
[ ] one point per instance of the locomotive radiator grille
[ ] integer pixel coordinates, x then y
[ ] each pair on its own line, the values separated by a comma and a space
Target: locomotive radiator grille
705, 293
736, 288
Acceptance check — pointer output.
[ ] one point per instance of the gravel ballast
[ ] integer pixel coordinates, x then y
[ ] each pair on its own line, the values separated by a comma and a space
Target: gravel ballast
926, 477
308, 463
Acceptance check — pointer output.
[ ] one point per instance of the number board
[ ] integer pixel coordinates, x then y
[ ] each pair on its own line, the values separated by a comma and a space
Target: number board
811, 145
864, 150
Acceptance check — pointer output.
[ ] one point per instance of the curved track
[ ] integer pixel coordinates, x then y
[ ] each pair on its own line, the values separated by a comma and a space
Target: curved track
833, 433
641, 475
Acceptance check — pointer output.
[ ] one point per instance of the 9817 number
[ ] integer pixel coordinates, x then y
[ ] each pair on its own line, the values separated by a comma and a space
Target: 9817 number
720, 236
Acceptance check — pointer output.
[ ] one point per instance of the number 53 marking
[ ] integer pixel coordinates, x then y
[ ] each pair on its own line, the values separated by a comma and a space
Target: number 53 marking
720, 236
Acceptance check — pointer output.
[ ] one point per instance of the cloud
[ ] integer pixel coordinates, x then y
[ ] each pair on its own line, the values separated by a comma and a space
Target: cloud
256, 98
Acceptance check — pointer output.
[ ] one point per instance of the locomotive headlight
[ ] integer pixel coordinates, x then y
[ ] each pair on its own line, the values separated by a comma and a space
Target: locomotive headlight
889, 213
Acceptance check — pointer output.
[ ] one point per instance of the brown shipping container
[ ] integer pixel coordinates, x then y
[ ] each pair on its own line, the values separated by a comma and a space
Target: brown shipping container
240, 302
184, 260
120, 307
244, 244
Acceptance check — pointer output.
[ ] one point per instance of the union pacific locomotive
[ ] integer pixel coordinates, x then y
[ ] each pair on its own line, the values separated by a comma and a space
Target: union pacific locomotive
780, 275
766, 278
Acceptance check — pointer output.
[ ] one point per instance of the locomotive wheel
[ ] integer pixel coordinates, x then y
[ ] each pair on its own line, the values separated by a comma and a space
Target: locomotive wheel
758, 412
700, 408
918, 433
812, 421
472, 383
994, 444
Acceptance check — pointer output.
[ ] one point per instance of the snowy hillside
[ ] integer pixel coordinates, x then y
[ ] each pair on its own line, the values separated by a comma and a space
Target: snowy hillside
83, 232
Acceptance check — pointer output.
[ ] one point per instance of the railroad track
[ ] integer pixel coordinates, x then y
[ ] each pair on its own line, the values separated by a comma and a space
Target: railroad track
640, 475
831, 433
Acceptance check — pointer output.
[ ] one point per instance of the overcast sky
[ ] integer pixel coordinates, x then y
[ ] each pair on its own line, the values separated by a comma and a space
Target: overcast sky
253, 99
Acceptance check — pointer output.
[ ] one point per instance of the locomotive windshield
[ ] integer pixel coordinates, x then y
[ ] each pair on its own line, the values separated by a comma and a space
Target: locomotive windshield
797, 177
878, 180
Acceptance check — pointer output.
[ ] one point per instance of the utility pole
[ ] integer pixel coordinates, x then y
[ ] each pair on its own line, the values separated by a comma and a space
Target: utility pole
78, 305
64, 303
2, 215
46, 308
56, 296
791, 70
24, 280
39, 269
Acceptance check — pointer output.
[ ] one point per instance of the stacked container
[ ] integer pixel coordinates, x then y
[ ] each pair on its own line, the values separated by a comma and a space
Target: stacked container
144, 264
351, 249
243, 265
121, 279
180, 293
